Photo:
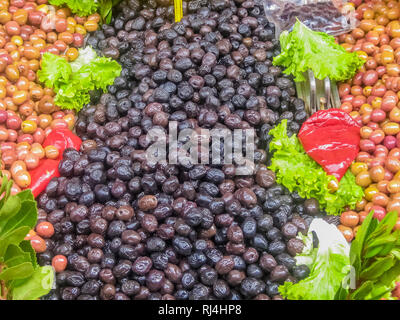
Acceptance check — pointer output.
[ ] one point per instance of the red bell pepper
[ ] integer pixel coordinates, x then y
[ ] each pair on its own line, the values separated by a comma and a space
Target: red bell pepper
332, 138
62, 139
48, 168
42, 174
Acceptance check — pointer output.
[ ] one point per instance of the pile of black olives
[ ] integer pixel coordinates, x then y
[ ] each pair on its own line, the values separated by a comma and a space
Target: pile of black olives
131, 229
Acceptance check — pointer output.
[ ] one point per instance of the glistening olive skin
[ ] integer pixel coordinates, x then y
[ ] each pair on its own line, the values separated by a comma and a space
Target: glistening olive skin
27, 109
178, 231
371, 98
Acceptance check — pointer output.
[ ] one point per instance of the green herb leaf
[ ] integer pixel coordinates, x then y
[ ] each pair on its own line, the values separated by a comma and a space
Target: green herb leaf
7, 194
341, 294
375, 254
25, 217
106, 13
26, 247
3, 185
10, 207
15, 256
26, 195
20, 271
385, 226
363, 291
387, 249
396, 253
384, 239
377, 268
12, 237
390, 275
358, 243
372, 252
37, 285
19, 268
304, 49
378, 291
11, 211
105, 10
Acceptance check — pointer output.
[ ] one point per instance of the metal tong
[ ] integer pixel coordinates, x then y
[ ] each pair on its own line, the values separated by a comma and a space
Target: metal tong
318, 94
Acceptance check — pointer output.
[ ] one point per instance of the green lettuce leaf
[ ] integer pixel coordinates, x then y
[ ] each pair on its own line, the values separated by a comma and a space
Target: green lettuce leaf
86, 56
55, 70
348, 194
104, 71
82, 8
73, 81
304, 49
329, 264
76, 102
298, 172
98, 70
75, 94
309, 253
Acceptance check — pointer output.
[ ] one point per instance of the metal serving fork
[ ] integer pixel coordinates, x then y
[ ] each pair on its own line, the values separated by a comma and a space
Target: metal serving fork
316, 94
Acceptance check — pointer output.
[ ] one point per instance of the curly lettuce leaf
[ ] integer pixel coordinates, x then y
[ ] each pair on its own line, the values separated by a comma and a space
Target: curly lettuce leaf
298, 172
74, 95
72, 82
86, 56
304, 49
82, 8
55, 70
329, 265
309, 253
104, 71
325, 279
348, 194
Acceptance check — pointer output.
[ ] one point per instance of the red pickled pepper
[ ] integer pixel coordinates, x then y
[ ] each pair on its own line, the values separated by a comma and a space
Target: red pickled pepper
48, 168
332, 138
42, 174
62, 139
